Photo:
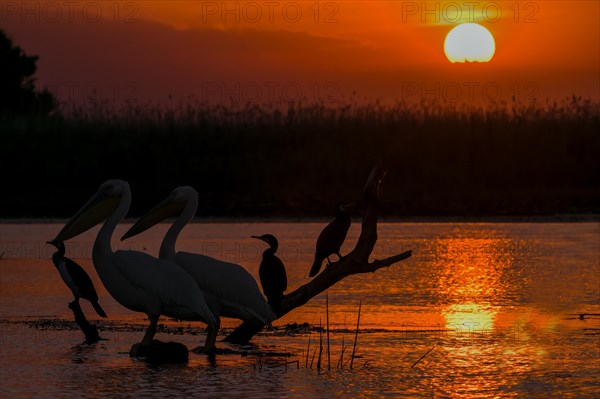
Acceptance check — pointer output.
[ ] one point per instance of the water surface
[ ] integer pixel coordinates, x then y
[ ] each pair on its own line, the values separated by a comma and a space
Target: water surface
496, 305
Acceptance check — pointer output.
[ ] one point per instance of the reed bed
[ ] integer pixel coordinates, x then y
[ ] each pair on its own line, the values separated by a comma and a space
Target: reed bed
506, 159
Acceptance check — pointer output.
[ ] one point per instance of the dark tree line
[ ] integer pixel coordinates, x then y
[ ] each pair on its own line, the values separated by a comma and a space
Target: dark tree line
18, 94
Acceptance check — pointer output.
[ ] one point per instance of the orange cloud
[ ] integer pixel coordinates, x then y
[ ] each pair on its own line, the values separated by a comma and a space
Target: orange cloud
323, 51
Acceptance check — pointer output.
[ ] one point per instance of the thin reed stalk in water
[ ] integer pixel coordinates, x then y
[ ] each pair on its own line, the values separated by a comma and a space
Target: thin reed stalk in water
308, 349
340, 364
312, 360
423, 357
320, 346
327, 316
285, 364
356, 335
258, 357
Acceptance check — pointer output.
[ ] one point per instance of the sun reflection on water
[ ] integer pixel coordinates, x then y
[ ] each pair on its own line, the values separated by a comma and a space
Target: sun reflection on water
480, 310
469, 317
471, 280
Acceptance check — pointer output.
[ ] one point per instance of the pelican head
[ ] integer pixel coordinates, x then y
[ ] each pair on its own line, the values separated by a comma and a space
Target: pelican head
98, 208
269, 239
173, 205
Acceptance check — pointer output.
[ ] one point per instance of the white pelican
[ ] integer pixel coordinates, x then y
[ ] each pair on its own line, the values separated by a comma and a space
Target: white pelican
229, 289
136, 280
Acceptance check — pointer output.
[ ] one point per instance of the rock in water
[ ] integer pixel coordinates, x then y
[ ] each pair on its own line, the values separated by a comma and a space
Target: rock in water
161, 352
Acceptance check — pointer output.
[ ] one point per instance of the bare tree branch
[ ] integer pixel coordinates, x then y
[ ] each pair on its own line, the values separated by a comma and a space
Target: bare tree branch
357, 261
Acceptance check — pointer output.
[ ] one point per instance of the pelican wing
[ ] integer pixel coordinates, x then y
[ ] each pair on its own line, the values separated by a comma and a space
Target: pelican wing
165, 285
232, 285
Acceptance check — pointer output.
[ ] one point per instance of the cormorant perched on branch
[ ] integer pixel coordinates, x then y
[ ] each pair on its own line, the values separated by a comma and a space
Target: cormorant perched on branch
332, 237
273, 277
75, 277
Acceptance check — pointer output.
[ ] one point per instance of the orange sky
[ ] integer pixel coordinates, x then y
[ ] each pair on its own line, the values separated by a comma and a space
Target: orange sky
277, 51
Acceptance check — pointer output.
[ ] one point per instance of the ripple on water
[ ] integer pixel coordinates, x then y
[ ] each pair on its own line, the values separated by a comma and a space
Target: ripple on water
480, 310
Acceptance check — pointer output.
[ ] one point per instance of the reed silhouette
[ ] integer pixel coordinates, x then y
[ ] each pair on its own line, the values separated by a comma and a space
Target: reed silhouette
536, 159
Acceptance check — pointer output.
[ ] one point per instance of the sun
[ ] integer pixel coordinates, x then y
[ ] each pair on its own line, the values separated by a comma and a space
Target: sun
469, 43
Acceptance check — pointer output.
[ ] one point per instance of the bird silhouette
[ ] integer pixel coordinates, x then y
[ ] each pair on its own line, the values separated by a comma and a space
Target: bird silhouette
75, 277
135, 279
229, 289
332, 237
273, 277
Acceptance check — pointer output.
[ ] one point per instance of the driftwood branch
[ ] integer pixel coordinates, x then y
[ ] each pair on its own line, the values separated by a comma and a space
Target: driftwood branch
357, 261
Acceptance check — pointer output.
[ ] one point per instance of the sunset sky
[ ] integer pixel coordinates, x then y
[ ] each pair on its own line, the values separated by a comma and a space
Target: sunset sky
330, 51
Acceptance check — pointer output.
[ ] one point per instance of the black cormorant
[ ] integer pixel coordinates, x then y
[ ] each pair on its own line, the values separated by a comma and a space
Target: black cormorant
75, 277
273, 277
332, 237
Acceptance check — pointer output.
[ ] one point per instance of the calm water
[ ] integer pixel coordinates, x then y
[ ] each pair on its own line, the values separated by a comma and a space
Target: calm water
493, 304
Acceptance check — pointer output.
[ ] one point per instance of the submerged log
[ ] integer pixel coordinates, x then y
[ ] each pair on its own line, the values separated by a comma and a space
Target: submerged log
357, 261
